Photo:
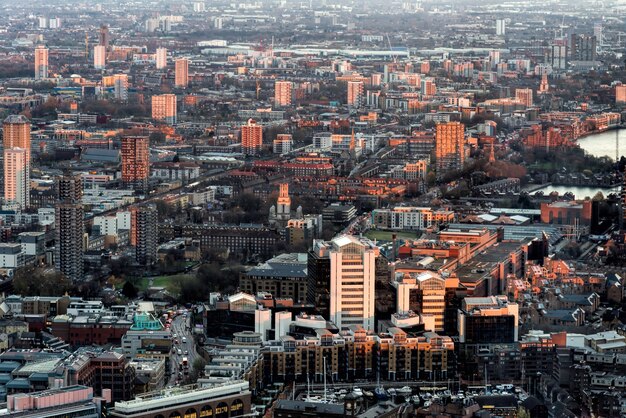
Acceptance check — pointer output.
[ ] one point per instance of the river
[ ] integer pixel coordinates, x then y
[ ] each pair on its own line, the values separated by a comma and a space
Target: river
603, 144
599, 145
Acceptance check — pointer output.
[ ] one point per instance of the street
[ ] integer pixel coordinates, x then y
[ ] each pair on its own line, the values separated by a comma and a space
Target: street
181, 328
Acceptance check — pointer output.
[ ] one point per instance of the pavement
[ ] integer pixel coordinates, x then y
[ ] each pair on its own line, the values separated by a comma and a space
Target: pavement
181, 326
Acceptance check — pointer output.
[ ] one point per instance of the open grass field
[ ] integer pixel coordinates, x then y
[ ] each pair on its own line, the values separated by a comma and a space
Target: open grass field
386, 235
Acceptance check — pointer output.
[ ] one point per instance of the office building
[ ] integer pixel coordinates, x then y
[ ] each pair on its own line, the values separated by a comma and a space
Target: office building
449, 147
164, 108
135, 162
488, 320
181, 73
69, 227
16, 177
251, 137
120, 87
524, 96
144, 233
424, 294
500, 27
99, 57
352, 280
283, 91
355, 93
41, 62
161, 58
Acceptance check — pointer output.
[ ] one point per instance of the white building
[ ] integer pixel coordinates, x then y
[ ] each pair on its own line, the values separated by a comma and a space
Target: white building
11, 255
161, 58
99, 57
352, 281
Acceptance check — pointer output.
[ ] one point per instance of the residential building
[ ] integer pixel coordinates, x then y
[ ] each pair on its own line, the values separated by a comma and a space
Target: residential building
355, 93
524, 96
41, 62
120, 87
161, 58
17, 177
181, 73
144, 220
16, 134
251, 137
449, 147
488, 320
99, 57
74, 401
69, 227
283, 92
135, 156
164, 108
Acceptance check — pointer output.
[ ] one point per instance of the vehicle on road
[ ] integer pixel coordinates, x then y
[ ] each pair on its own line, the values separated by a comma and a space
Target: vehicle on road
184, 340
180, 352
185, 363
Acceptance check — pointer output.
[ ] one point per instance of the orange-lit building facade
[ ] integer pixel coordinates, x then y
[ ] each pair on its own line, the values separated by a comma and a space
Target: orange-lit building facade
283, 91
135, 161
16, 177
181, 70
355, 93
164, 108
251, 137
41, 62
524, 96
449, 146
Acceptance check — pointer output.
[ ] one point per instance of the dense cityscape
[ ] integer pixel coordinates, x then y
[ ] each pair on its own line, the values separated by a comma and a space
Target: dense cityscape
281, 208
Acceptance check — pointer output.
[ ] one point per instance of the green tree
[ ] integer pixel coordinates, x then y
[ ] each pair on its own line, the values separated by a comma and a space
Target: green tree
129, 290
36, 281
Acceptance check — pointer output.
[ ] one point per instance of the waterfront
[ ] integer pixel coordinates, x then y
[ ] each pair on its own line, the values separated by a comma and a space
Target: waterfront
603, 144
580, 192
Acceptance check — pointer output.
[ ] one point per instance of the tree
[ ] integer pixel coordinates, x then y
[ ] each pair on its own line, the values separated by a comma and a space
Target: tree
36, 281
196, 369
129, 290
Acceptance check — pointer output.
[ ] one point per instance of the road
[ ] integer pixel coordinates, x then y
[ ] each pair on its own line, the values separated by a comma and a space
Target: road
181, 327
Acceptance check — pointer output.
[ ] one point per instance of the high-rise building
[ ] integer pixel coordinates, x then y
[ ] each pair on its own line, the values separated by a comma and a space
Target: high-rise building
161, 58
352, 282
199, 6
69, 227
525, 96
104, 37
99, 57
283, 204
428, 86
283, 91
181, 77
251, 137
544, 86
144, 233
620, 94
16, 136
355, 93
500, 27
582, 47
41, 62
120, 86
449, 147
558, 55
597, 32
135, 161
164, 108
17, 177
16, 133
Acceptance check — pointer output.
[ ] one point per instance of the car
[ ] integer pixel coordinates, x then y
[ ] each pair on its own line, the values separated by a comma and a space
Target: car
180, 352
176, 341
186, 352
174, 335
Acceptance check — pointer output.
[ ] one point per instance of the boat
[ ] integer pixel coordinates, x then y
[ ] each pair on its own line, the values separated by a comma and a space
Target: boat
415, 399
392, 391
368, 393
404, 390
381, 394
357, 392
